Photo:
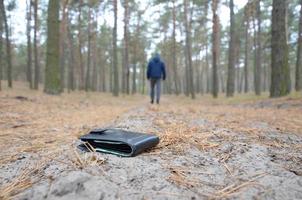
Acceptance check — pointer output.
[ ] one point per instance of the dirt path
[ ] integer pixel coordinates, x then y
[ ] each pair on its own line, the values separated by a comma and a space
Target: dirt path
196, 159
208, 149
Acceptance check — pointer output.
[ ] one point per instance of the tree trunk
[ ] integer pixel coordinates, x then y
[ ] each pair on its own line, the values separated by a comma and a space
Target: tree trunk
144, 77
169, 81
134, 78
103, 78
126, 74
264, 84
52, 71
94, 54
237, 70
197, 76
174, 51
87, 81
102, 69
63, 37
8, 45
189, 50
134, 57
255, 51
280, 68
80, 41
298, 85
208, 73
231, 63
221, 81
241, 82
207, 69
37, 67
29, 49
186, 77
111, 78
258, 64
134, 62
71, 61
246, 57
115, 63
215, 48
1, 50
237, 59
201, 78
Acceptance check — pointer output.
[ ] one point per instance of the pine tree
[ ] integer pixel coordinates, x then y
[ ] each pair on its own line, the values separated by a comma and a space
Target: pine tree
246, 51
231, 64
215, 48
1, 49
280, 80
29, 48
115, 63
126, 73
37, 66
52, 70
8, 45
298, 85
189, 66
258, 61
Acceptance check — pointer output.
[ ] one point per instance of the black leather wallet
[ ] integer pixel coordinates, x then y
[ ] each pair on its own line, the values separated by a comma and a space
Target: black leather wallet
119, 142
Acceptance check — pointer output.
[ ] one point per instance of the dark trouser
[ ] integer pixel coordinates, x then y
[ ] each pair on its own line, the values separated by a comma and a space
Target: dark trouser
155, 83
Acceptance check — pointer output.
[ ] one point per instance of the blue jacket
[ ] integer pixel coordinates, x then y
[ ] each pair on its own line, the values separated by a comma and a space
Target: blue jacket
156, 68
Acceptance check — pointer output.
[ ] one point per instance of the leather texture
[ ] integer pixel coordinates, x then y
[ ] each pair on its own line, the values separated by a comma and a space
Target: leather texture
119, 142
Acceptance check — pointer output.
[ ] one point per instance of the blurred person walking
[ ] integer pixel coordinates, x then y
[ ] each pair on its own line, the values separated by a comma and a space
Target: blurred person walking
155, 72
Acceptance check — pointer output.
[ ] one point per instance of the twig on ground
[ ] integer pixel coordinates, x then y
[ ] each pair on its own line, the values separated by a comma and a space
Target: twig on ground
231, 189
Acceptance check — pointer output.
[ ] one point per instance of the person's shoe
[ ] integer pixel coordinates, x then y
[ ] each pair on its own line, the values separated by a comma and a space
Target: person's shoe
157, 101
152, 101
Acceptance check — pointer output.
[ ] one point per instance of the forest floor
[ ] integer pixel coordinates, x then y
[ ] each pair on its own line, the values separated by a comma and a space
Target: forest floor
240, 148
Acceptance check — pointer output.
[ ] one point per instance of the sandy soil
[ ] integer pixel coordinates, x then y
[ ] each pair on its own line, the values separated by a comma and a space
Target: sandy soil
208, 150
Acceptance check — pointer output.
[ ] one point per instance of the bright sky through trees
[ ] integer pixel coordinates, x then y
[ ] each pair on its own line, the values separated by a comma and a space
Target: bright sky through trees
19, 22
